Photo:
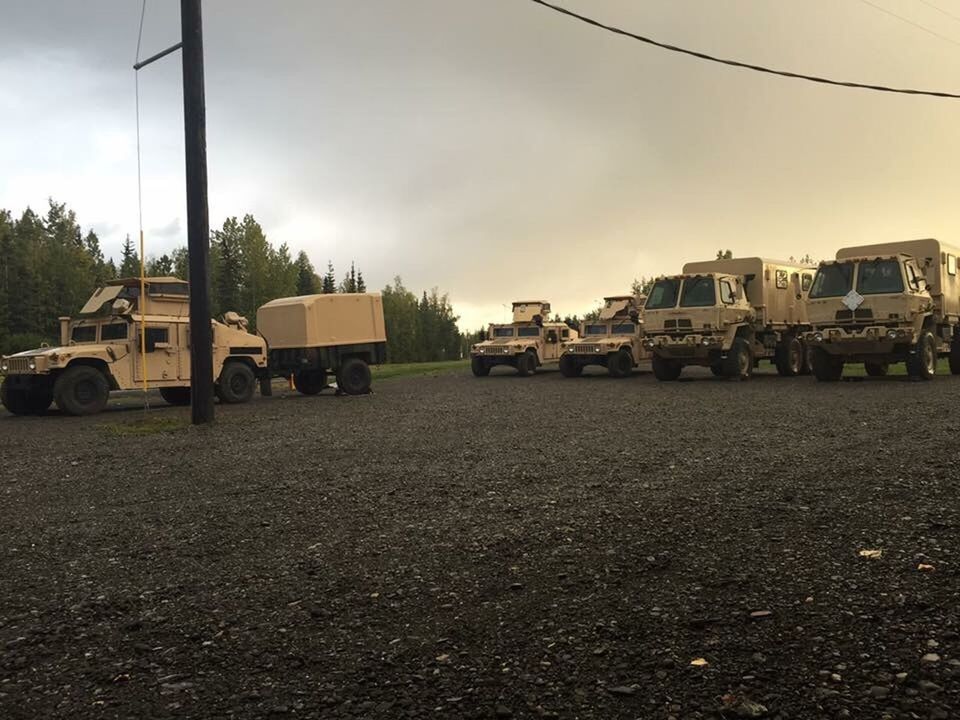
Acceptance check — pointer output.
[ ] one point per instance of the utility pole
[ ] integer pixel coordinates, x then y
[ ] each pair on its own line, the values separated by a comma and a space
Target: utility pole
198, 220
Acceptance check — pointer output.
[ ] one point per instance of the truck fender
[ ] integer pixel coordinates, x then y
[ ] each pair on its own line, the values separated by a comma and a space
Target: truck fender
100, 365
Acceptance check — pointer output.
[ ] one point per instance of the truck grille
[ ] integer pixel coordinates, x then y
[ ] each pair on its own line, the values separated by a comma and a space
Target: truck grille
496, 350
585, 348
682, 324
19, 366
859, 314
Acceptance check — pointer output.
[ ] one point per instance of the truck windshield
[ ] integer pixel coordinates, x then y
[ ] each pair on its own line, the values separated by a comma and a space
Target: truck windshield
663, 294
698, 292
84, 333
879, 276
833, 280
503, 332
113, 331
528, 332
622, 329
595, 330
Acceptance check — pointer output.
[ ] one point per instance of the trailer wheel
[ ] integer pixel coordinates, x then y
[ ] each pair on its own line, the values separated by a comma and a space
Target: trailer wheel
310, 382
876, 369
81, 390
176, 395
236, 383
479, 367
826, 367
569, 367
922, 362
739, 361
620, 363
353, 377
666, 369
526, 363
789, 357
955, 358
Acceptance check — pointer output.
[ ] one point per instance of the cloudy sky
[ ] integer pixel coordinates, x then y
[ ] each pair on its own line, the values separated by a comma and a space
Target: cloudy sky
493, 148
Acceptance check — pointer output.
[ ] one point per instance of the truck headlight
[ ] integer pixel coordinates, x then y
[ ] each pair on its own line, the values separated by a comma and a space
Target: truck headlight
705, 341
818, 337
892, 334
4, 366
648, 344
32, 364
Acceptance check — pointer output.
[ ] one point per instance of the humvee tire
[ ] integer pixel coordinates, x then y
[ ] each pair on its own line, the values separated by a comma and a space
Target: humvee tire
176, 395
876, 369
620, 363
479, 367
789, 356
955, 358
739, 361
353, 377
666, 369
14, 400
717, 369
826, 368
81, 390
310, 382
569, 367
922, 362
526, 363
236, 383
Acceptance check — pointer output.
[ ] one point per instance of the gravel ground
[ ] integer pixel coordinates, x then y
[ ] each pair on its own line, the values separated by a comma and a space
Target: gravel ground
455, 547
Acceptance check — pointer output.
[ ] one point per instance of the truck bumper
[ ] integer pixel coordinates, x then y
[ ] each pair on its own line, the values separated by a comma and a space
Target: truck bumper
869, 342
493, 359
690, 349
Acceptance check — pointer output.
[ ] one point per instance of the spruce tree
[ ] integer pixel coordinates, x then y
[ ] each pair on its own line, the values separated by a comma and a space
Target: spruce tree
129, 260
329, 284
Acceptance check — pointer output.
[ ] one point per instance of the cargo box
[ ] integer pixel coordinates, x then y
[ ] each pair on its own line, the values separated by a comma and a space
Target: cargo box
316, 321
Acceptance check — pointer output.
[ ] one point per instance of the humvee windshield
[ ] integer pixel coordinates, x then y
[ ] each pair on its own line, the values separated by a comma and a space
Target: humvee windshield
528, 332
113, 331
595, 330
833, 280
879, 276
663, 294
503, 332
622, 329
698, 292
84, 334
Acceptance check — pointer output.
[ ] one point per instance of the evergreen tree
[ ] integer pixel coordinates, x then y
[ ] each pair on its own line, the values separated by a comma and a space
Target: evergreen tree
724, 254
227, 247
361, 285
307, 281
329, 284
349, 284
160, 267
129, 260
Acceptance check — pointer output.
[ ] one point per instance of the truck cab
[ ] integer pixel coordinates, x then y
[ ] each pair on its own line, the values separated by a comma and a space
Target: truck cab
528, 343
613, 340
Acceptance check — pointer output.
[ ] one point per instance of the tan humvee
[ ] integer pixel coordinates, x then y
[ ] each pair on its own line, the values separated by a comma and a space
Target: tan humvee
100, 351
614, 340
728, 315
309, 335
886, 303
529, 342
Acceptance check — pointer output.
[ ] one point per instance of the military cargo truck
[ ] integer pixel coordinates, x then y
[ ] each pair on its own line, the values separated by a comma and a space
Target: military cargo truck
614, 340
311, 336
529, 342
886, 303
100, 351
729, 315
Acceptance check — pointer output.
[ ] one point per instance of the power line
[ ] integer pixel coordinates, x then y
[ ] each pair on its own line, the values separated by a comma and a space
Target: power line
908, 21
940, 9
739, 64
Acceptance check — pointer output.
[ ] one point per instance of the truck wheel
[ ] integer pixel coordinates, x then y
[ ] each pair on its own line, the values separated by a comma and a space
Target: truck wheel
717, 369
353, 377
236, 383
81, 390
955, 358
922, 362
826, 367
666, 369
569, 367
176, 395
526, 364
14, 399
310, 382
739, 361
620, 363
789, 357
479, 367
806, 364
876, 369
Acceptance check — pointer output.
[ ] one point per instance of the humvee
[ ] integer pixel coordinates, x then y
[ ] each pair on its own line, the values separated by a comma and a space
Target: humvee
311, 335
886, 303
100, 351
527, 343
614, 340
728, 315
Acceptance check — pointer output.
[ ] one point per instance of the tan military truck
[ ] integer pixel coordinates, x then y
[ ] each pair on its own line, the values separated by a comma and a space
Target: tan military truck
100, 351
310, 336
886, 303
529, 342
729, 315
614, 340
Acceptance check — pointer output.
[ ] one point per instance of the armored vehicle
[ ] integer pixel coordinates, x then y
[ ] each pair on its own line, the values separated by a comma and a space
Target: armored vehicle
728, 315
100, 351
311, 336
529, 342
886, 303
614, 340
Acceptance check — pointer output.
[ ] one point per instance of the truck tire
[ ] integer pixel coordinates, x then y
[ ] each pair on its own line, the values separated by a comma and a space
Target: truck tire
826, 367
353, 377
310, 382
876, 369
717, 369
176, 395
789, 357
922, 361
739, 361
666, 369
81, 390
479, 367
236, 383
526, 364
16, 400
620, 363
955, 358
806, 366
569, 367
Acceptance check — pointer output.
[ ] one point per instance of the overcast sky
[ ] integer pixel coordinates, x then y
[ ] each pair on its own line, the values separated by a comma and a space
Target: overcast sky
493, 148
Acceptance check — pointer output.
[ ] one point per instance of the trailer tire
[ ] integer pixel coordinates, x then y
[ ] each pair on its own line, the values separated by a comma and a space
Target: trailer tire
479, 367
526, 364
620, 363
789, 357
176, 395
569, 367
738, 364
876, 369
354, 377
310, 382
826, 368
236, 383
81, 390
922, 362
666, 369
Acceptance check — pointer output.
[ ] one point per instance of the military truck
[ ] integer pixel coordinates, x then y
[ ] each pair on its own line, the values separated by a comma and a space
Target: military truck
614, 340
886, 303
529, 342
100, 351
311, 336
729, 315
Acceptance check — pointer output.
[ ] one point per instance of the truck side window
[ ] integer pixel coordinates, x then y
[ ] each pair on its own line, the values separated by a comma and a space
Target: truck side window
952, 264
806, 280
565, 334
156, 335
912, 278
727, 294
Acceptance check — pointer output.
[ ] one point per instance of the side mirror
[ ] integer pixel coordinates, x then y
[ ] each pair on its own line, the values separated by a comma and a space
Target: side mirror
799, 296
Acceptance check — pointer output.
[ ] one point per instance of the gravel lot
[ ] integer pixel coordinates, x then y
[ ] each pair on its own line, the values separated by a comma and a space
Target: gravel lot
455, 547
